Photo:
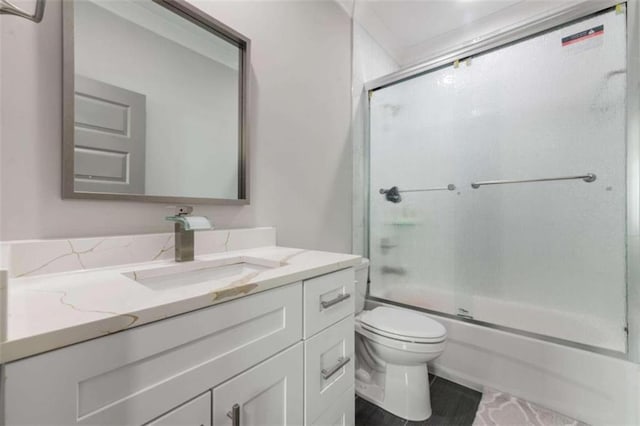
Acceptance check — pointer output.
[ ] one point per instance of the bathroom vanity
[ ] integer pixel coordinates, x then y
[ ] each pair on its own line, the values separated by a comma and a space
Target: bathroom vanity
248, 336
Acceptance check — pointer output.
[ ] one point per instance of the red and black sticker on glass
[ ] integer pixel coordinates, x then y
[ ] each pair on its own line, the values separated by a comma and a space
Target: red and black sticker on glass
583, 35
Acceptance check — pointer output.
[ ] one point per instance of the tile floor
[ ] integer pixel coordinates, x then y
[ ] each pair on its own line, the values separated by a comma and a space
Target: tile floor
452, 404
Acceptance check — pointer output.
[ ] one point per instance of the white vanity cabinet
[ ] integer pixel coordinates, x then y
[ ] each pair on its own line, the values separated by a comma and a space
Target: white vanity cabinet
280, 357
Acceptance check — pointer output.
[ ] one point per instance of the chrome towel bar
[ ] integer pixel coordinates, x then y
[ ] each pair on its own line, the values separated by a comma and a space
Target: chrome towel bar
589, 177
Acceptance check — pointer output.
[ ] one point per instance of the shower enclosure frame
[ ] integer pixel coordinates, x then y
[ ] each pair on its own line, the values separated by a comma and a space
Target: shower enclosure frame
504, 37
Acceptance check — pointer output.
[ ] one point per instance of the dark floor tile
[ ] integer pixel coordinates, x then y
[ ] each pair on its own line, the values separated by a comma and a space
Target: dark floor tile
368, 414
451, 404
364, 410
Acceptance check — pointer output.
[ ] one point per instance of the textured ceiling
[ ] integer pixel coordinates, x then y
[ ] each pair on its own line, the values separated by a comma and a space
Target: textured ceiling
412, 22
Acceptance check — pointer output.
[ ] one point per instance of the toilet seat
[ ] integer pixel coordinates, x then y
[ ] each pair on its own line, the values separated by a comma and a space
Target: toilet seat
399, 344
402, 325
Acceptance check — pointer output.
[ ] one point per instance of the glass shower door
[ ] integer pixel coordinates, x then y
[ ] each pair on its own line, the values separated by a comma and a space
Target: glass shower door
546, 257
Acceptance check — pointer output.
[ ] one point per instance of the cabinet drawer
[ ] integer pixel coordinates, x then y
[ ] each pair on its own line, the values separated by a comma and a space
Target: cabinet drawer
328, 299
329, 367
342, 413
196, 412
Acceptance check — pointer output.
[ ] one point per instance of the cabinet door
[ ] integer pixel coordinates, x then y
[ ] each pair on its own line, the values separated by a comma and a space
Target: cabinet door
196, 412
268, 394
342, 413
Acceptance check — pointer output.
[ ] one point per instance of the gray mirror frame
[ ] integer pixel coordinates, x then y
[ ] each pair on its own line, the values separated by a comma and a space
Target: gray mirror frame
198, 17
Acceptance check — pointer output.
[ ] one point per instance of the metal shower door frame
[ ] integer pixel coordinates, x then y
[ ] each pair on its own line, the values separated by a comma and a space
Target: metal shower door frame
505, 37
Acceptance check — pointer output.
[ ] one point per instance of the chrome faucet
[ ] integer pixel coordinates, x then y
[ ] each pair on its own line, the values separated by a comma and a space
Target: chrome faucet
184, 227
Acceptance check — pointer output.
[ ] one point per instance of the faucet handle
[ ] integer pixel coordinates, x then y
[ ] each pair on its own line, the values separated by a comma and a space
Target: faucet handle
181, 210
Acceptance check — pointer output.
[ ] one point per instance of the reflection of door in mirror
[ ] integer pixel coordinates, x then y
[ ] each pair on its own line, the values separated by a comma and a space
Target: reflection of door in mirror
110, 137
158, 101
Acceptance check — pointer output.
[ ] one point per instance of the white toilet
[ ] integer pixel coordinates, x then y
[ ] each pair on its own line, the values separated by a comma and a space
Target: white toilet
393, 347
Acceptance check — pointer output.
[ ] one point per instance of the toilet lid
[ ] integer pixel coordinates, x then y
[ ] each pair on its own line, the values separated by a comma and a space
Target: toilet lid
404, 323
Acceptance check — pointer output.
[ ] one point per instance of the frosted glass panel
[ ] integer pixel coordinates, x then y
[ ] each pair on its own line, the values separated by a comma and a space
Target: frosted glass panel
544, 257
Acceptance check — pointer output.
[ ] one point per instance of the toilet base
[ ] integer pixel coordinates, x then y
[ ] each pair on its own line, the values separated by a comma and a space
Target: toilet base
402, 390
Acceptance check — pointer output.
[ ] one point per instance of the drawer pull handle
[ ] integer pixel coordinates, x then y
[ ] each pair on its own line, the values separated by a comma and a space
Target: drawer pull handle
335, 301
333, 370
234, 415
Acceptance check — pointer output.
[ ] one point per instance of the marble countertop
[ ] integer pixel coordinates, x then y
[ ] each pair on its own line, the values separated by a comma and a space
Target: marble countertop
50, 311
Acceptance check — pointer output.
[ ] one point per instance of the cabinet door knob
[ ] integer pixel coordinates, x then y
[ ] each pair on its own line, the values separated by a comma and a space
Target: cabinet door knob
332, 302
234, 415
333, 370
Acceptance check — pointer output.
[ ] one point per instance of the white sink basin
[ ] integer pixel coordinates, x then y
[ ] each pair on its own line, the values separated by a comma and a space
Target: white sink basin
214, 273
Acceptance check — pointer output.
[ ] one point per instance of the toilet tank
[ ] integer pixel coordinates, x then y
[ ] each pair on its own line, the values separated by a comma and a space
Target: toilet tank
362, 276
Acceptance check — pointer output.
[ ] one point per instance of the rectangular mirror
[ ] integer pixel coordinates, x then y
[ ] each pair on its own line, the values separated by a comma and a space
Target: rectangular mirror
154, 103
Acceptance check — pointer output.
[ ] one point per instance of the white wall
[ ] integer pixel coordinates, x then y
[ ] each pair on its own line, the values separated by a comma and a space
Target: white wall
299, 131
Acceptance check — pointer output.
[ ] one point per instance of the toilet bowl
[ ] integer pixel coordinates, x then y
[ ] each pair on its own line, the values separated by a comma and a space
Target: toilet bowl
393, 347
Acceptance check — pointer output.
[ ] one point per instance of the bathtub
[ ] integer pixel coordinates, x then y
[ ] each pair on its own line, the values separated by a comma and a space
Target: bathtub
570, 326
595, 388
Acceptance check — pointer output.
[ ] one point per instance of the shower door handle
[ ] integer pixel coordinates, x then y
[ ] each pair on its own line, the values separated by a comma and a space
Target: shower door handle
335, 301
